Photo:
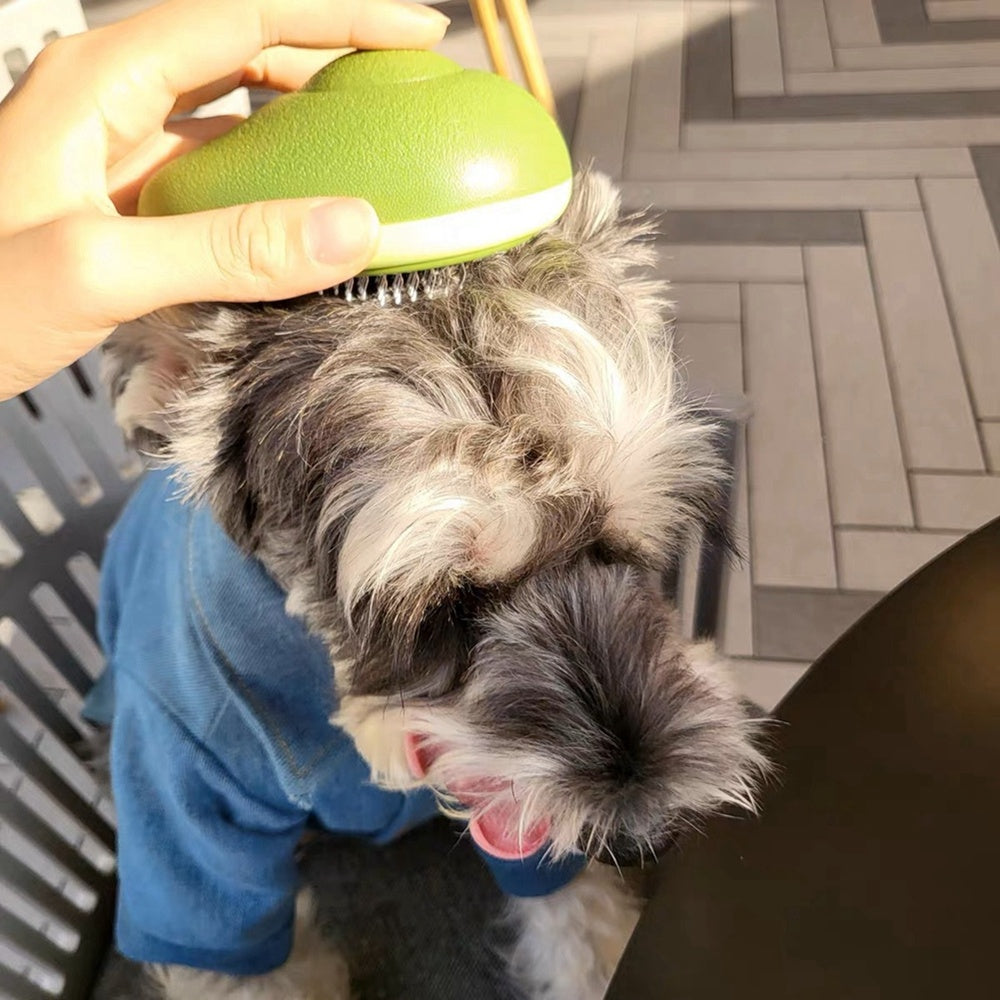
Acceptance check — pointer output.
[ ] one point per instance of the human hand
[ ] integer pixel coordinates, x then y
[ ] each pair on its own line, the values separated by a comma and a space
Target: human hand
87, 124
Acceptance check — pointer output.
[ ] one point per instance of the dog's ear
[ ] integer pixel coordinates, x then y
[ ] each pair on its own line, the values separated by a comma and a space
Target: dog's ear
605, 237
596, 264
415, 565
419, 541
594, 211
145, 364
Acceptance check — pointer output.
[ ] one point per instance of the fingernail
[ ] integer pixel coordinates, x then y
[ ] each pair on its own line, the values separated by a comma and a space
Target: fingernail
425, 16
340, 231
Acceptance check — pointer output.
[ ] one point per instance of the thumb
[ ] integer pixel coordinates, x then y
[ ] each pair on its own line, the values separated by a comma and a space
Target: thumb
257, 252
67, 283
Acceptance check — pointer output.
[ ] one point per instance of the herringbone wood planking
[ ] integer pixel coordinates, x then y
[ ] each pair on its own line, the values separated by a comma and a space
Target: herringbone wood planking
827, 180
868, 361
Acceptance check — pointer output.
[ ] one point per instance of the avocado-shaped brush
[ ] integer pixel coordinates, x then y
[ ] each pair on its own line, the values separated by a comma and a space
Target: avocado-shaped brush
458, 165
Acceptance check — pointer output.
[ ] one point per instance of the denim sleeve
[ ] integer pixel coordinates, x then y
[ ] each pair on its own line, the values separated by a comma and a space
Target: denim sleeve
207, 876
535, 875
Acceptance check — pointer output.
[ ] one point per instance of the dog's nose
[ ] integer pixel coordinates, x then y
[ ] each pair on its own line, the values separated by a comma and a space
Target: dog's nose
627, 852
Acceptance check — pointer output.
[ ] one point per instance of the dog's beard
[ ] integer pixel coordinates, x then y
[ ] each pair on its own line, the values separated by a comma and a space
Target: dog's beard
585, 722
463, 497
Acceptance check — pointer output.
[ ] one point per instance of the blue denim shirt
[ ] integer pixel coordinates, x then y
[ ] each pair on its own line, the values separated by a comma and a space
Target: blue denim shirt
222, 749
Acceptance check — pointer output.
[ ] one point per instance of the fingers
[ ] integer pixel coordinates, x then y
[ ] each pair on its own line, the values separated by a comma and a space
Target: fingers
285, 67
196, 41
104, 270
183, 45
279, 68
126, 178
90, 99
282, 67
263, 251
113, 87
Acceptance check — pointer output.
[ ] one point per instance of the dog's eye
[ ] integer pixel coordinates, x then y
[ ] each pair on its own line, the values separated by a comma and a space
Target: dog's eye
604, 553
611, 552
428, 664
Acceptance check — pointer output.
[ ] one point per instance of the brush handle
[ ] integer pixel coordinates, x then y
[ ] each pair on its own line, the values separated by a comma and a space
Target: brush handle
457, 163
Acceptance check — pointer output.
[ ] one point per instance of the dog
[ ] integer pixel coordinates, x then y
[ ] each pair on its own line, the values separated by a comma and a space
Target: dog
468, 501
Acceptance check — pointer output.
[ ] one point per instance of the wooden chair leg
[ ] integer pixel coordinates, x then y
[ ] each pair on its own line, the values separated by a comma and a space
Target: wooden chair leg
485, 12
526, 43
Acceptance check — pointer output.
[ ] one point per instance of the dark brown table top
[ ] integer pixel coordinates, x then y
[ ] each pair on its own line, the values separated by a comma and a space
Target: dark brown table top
873, 870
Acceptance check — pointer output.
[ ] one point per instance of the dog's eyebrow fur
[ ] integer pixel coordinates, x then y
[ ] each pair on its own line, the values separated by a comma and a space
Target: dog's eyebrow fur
428, 480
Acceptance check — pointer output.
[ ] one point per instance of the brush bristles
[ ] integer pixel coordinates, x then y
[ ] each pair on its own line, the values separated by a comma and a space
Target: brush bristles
400, 289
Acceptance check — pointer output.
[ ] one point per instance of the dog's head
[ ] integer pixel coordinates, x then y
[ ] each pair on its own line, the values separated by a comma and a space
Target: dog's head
470, 498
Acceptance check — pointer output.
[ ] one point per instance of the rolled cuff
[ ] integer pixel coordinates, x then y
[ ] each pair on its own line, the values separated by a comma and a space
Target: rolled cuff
254, 959
534, 876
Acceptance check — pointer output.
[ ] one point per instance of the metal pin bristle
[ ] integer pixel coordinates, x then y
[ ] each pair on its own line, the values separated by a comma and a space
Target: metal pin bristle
399, 289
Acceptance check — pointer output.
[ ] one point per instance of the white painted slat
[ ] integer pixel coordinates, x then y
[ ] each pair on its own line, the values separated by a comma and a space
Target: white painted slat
736, 608
710, 263
774, 194
790, 524
990, 433
864, 459
766, 682
712, 357
757, 68
920, 56
654, 120
879, 133
805, 36
852, 22
799, 164
934, 410
706, 303
881, 560
969, 258
962, 10
895, 81
955, 502
602, 121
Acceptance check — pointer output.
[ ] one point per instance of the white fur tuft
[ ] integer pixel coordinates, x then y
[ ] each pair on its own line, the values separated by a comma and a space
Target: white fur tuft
430, 532
570, 943
377, 728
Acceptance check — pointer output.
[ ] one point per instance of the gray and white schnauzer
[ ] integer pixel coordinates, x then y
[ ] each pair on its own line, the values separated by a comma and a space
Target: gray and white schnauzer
471, 499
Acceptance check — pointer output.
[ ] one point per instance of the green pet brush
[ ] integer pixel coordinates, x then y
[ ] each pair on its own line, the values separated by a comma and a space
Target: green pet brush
458, 165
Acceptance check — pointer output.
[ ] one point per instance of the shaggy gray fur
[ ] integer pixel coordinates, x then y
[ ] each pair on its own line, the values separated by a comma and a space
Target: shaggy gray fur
467, 498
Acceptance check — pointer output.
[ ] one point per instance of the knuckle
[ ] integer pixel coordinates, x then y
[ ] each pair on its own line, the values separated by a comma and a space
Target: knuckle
253, 246
60, 54
257, 70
